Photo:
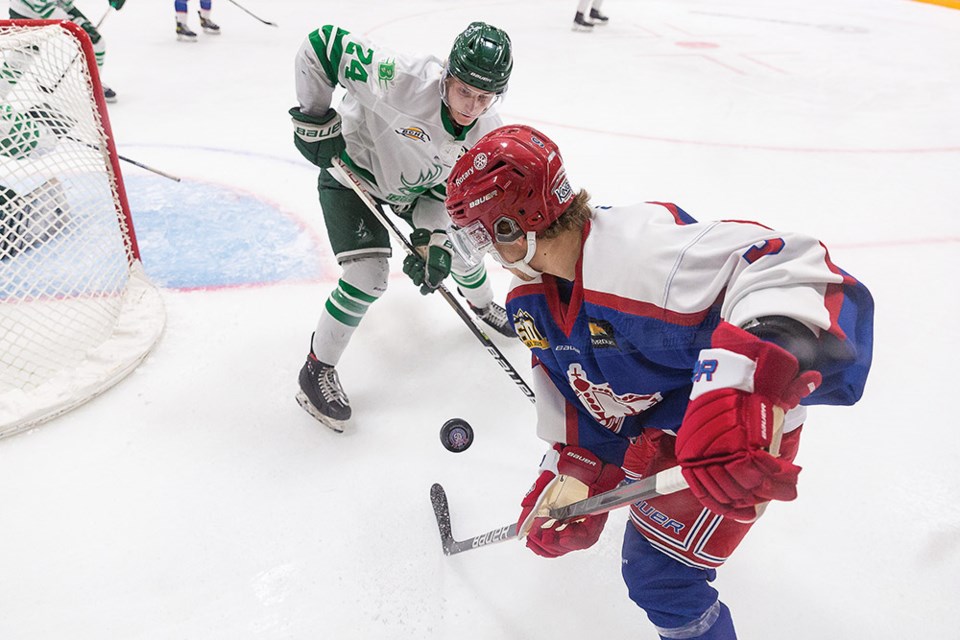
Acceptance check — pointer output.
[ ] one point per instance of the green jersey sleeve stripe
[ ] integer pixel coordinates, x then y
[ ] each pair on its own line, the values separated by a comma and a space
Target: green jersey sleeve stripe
327, 43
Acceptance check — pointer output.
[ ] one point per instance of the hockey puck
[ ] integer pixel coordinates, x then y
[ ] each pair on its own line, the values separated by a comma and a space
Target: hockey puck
456, 434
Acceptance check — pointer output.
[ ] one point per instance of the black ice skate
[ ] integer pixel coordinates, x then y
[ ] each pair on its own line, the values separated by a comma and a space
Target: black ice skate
321, 395
208, 25
581, 24
598, 18
184, 33
495, 316
109, 95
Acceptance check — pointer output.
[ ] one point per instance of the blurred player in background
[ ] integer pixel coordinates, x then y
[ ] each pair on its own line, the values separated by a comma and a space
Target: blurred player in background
588, 15
401, 126
184, 32
64, 10
658, 340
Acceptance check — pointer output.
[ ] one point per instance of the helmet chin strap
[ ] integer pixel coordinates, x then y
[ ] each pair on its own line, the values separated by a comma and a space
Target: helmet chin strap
523, 264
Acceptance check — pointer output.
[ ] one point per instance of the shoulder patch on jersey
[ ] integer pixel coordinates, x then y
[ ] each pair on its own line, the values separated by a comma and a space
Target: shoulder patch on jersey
602, 335
527, 331
386, 71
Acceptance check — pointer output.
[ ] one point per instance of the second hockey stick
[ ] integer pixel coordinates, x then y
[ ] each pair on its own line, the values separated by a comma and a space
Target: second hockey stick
256, 17
345, 174
125, 159
50, 90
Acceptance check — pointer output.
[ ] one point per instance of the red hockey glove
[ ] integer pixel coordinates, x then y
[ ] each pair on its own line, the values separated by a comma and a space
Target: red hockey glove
568, 474
741, 386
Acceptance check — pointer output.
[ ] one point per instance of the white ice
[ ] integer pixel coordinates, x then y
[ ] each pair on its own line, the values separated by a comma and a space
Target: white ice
196, 500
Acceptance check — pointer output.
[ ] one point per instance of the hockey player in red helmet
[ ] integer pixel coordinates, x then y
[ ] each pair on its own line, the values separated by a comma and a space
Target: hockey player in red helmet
517, 189
658, 340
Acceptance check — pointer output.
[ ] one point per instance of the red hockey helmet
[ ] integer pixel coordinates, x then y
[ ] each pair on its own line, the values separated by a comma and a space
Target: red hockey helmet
511, 183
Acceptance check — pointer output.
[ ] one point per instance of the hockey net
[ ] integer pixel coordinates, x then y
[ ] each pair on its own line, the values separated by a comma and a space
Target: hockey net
77, 312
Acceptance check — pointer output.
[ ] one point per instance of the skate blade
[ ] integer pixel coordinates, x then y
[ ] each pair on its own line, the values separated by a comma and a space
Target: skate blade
212, 32
327, 421
187, 38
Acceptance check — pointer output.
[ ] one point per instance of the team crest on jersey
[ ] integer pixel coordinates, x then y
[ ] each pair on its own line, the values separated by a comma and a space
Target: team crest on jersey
424, 182
414, 133
606, 406
601, 334
527, 331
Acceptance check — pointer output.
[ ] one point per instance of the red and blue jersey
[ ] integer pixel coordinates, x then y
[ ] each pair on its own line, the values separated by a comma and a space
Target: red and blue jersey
614, 350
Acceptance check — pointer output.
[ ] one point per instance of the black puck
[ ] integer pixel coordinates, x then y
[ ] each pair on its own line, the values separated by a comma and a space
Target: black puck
456, 434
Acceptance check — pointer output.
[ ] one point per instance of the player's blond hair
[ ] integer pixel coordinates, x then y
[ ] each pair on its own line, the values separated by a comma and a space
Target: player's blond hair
575, 216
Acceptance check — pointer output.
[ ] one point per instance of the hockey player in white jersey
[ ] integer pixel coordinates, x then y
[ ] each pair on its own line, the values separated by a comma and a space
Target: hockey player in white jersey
65, 10
658, 340
400, 127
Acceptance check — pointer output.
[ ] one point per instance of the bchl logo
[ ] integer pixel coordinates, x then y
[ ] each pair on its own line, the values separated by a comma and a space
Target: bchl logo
414, 133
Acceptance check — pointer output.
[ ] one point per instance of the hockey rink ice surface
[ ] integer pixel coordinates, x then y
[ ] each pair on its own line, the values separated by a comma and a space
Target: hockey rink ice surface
196, 500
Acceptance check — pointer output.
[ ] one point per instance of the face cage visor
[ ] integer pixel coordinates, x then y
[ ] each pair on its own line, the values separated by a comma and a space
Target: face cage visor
472, 242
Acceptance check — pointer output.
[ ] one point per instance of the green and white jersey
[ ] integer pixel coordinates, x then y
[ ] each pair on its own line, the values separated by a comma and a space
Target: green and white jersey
42, 9
399, 135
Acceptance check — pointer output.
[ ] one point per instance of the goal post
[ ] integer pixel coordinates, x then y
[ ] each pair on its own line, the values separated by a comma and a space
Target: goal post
77, 312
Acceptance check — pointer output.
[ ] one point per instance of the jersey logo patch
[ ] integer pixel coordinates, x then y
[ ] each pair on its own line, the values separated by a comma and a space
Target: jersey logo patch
527, 331
606, 406
601, 334
386, 71
414, 133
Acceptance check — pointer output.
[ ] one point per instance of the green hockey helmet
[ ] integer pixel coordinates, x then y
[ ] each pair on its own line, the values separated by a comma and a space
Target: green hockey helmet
481, 57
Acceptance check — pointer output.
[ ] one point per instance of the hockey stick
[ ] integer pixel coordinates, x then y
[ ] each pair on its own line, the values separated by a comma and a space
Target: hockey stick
125, 159
667, 481
149, 168
267, 22
102, 19
49, 90
345, 174
663, 483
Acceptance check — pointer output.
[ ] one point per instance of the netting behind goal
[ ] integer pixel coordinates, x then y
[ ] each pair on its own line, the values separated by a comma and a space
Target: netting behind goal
77, 312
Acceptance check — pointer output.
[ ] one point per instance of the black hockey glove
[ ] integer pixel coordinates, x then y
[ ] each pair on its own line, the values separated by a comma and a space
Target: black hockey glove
431, 262
318, 139
77, 17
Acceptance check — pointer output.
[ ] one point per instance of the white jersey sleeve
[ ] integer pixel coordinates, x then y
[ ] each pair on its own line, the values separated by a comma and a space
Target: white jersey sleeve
681, 270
